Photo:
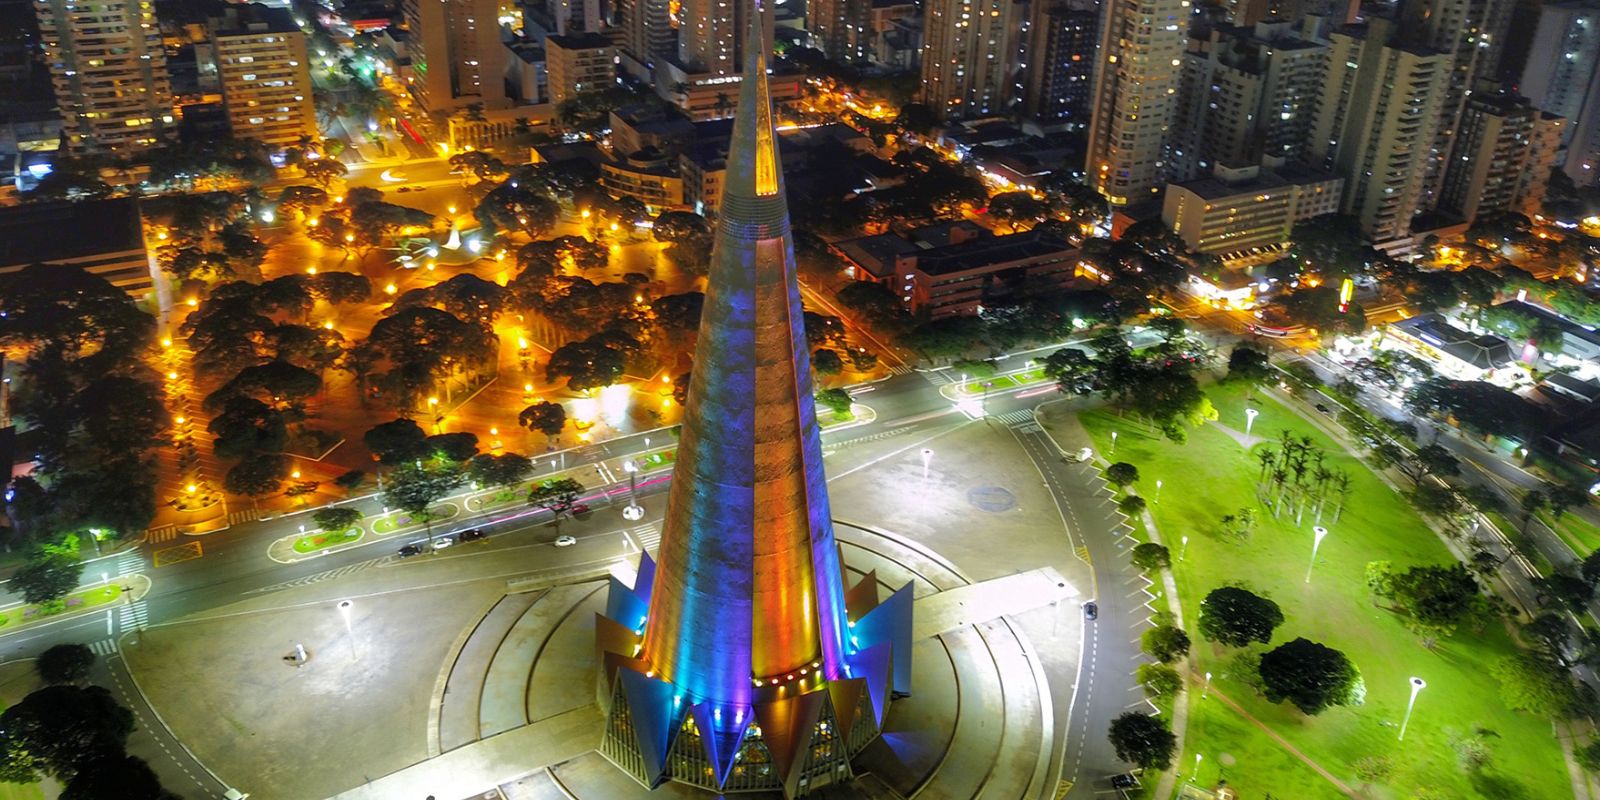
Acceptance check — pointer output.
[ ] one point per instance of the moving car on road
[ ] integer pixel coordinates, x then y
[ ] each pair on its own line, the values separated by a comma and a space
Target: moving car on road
566, 541
473, 535
1091, 610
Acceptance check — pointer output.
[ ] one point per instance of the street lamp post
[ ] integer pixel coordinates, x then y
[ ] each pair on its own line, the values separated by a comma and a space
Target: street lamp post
349, 628
1249, 420
1158, 490
927, 456
633, 512
1197, 758
1417, 685
1317, 535
1113, 443
1183, 547
984, 405
1206, 691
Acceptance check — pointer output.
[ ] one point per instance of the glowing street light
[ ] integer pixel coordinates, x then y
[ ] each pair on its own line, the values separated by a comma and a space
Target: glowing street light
1183, 547
1249, 419
1158, 490
1206, 691
633, 512
927, 456
1417, 685
349, 628
1113, 442
1317, 535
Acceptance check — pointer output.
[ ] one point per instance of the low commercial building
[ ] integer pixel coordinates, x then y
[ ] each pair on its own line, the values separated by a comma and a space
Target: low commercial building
647, 175
1453, 352
1245, 215
964, 271
102, 237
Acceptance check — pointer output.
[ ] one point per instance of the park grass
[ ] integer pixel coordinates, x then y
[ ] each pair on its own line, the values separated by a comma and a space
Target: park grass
395, 520
1582, 537
321, 540
80, 600
1213, 475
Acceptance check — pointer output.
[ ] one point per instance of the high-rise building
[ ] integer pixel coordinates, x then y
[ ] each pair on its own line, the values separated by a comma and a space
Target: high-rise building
1504, 150
1135, 96
970, 52
739, 661
648, 30
575, 16
457, 56
265, 74
708, 34
1472, 32
1377, 116
1562, 76
841, 29
1059, 62
578, 63
1246, 92
109, 73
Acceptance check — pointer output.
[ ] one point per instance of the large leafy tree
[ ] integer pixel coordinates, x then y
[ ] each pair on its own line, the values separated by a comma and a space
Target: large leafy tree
1143, 740
48, 575
1310, 676
257, 476
66, 311
558, 496
545, 417
247, 425
1537, 684
62, 730
688, 239
1236, 617
65, 663
417, 488
586, 364
396, 441
1017, 208
423, 346
1437, 598
507, 469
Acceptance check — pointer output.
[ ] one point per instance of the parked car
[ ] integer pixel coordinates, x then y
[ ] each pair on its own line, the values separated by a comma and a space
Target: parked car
1124, 781
415, 549
473, 535
566, 541
1091, 610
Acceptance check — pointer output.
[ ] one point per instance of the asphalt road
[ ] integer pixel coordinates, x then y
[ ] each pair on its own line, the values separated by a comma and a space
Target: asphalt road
234, 565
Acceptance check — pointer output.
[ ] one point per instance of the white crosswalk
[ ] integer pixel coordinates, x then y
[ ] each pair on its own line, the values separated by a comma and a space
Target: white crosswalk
165, 533
648, 537
104, 647
903, 369
1015, 418
939, 377
134, 616
241, 517
130, 563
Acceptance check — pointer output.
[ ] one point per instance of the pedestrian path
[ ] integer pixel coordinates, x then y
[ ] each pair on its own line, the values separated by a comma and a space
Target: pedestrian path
134, 615
647, 537
242, 516
317, 578
129, 563
104, 647
165, 533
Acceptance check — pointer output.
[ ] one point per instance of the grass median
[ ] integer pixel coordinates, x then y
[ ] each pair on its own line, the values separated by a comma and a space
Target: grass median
1213, 475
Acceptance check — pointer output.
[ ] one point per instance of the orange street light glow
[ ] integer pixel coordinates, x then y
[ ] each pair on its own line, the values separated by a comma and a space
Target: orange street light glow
390, 289
328, 325
193, 301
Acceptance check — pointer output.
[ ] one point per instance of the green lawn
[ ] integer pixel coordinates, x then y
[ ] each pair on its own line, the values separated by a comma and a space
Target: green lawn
321, 540
395, 520
1582, 537
77, 601
1213, 475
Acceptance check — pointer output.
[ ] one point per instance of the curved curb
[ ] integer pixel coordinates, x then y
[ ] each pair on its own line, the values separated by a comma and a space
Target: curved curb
298, 557
138, 586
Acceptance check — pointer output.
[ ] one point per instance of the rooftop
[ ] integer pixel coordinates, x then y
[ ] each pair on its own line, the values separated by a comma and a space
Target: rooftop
578, 41
1213, 188
1568, 327
1481, 351
244, 20
989, 251
42, 233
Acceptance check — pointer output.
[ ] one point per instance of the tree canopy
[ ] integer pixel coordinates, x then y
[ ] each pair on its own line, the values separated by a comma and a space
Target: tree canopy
1236, 617
1310, 676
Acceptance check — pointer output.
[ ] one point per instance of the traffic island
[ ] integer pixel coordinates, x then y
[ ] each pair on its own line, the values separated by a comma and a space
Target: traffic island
299, 547
398, 521
124, 589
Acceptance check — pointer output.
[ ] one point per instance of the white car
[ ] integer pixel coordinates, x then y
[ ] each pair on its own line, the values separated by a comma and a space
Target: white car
443, 542
566, 541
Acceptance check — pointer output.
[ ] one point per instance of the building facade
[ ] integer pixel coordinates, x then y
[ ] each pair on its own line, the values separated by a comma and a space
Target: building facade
1504, 151
578, 63
1135, 96
970, 50
1245, 216
1376, 119
457, 56
709, 39
1562, 76
957, 270
109, 73
1059, 63
107, 240
265, 74
842, 29
649, 31
1247, 92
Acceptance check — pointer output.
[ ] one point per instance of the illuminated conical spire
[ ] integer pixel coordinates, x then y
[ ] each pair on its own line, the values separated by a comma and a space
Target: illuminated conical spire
726, 661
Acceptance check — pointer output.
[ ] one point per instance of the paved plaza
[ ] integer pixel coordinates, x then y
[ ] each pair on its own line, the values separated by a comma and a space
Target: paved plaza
474, 670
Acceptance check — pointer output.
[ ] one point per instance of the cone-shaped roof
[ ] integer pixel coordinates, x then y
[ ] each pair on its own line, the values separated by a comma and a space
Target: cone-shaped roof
748, 585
